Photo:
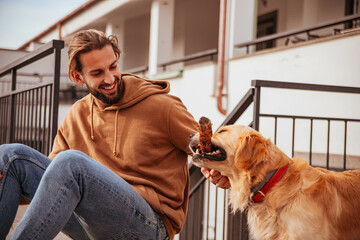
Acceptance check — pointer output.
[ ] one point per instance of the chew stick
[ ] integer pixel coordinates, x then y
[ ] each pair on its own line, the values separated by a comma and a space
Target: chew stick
205, 131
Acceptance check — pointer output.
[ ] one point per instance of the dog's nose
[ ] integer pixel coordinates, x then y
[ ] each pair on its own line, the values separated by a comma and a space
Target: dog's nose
191, 135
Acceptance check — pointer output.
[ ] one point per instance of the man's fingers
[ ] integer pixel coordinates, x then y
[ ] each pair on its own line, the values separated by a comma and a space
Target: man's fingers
223, 183
216, 178
205, 172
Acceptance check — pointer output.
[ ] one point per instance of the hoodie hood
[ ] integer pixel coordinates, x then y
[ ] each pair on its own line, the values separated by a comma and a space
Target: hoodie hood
134, 89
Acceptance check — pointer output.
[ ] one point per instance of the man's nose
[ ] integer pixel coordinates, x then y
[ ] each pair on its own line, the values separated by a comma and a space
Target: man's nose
109, 78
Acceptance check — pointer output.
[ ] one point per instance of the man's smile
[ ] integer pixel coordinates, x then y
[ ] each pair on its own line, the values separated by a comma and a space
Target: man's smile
109, 88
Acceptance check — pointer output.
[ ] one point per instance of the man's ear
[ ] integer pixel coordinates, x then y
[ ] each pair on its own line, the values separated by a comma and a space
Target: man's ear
78, 78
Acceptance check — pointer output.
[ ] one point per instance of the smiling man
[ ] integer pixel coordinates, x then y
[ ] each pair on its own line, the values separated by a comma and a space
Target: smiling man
119, 168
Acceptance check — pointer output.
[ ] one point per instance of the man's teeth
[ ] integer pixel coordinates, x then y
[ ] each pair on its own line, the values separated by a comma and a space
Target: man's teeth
109, 87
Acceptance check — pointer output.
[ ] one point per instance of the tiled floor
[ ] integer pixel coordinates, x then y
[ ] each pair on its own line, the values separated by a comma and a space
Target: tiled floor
21, 212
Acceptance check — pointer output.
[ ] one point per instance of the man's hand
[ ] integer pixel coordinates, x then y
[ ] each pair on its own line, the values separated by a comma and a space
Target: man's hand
216, 178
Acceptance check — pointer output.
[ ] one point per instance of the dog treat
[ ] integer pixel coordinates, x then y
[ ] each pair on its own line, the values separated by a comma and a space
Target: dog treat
205, 131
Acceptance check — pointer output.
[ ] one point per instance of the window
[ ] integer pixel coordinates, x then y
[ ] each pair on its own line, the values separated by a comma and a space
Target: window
266, 26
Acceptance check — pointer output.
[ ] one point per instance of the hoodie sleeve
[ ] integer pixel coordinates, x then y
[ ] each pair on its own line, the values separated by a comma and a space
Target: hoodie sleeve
181, 124
60, 144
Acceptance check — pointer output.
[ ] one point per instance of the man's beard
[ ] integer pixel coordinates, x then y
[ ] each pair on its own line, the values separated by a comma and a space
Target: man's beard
105, 99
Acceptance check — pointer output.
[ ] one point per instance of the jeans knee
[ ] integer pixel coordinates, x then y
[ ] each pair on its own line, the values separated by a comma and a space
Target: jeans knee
69, 158
13, 148
8, 151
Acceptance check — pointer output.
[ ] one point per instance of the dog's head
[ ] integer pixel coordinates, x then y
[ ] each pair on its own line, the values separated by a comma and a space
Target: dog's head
235, 148
241, 154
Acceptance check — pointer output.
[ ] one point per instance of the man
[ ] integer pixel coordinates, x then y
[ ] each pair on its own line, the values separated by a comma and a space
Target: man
119, 168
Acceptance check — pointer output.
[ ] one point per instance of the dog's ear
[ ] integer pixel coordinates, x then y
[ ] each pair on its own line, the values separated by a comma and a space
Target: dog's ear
251, 151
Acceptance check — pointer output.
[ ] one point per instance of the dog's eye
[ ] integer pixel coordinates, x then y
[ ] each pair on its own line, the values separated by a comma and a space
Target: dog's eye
221, 131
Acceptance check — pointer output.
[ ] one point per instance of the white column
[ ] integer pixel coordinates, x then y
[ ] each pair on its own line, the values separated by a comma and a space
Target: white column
109, 29
310, 13
161, 33
118, 30
243, 25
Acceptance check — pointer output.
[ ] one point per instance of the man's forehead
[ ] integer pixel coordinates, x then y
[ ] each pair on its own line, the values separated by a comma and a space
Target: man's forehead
103, 56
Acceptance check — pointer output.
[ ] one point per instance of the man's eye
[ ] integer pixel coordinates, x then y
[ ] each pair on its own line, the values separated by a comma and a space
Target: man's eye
113, 66
95, 74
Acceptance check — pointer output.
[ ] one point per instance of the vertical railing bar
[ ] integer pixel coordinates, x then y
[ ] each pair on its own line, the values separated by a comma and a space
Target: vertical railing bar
7, 112
32, 118
216, 203
17, 117
311, 139
12, 114
208, 210
22, 127
293, 139
328, 147
28, 104
44, 122
224, 215
2, 120
49, 144
345, 142
36, 117
55, 94
192, 232
256, 110
40, 98
25, 118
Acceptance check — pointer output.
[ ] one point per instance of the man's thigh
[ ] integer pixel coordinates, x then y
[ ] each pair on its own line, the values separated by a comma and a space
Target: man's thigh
109, 206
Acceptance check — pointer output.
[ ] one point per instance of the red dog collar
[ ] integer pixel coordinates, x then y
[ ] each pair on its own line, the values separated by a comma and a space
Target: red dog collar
260, 195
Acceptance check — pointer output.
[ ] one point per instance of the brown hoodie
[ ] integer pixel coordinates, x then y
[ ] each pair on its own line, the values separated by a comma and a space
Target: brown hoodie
143, 139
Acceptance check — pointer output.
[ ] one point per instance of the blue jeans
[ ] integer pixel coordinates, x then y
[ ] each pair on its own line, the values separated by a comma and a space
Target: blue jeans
73, 194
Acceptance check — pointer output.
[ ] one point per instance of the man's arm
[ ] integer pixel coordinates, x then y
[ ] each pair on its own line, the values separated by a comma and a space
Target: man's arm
59, 145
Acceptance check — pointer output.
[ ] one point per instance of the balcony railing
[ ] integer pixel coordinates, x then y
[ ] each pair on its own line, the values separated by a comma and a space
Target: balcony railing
30, 116
209, 216
354, 21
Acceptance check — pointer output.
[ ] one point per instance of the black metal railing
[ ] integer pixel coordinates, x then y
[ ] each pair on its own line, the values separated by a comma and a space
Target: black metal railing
208, 54
308, 31
205, 197
30, 116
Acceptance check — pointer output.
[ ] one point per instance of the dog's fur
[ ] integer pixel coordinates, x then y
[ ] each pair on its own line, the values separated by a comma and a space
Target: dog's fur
307, 202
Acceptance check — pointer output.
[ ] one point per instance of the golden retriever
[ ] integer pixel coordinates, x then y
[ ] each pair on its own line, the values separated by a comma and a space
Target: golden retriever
303, 203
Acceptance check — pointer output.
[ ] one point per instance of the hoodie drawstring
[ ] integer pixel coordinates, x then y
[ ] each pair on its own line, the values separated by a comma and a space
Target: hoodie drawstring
115, 137
92, 120
92, 126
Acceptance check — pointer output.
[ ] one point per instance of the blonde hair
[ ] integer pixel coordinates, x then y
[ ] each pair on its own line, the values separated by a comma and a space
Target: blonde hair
86, 41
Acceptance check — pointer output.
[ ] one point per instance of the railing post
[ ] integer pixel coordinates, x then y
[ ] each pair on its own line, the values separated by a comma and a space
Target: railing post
55, 92
256, 111
12, 114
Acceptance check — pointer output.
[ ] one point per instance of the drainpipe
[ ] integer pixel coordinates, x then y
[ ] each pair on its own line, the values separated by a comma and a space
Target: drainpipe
221, 57
59, 26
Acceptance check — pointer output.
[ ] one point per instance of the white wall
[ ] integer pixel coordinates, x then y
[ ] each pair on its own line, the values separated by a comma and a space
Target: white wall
136, 43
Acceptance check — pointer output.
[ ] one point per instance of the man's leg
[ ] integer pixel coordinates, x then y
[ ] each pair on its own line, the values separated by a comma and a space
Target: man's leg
21, 169
106, 205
